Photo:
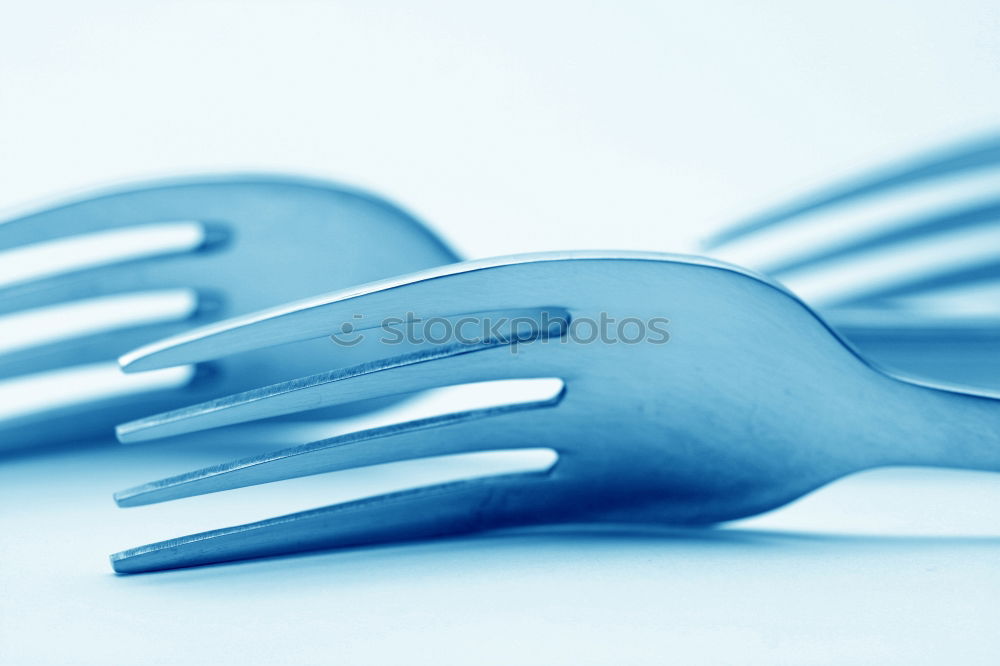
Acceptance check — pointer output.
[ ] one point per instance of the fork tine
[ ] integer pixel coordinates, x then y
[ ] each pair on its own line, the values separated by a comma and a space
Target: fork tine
107, 211
430, 511
67, 403
98, 274
410, 373
26, 395
948, 259
977, 154
44, 338
928, 228
452, 290
974, 275
505, 427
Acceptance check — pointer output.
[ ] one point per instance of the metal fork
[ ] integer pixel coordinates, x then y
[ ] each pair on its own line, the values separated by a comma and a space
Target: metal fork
84, 281
904, 261
866, 239
748, 402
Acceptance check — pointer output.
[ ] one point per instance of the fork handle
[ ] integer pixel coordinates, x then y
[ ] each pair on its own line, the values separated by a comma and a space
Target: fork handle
954, 430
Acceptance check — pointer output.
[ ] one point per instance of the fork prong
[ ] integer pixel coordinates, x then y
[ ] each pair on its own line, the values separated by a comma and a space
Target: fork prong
50, 280
115, 209
446, 291
91, 330
62, 404
978, 154
431, 511
410, 373
948, 260
494, 428
929, 228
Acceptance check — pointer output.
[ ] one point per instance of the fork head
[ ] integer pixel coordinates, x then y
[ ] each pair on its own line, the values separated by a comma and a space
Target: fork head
746, 402
84, 281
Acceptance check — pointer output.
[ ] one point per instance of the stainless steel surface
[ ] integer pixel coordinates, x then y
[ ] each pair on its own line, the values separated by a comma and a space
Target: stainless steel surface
751, 403
246, 243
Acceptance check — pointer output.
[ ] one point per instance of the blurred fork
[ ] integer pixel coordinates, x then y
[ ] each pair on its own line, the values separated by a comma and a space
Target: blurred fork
904, 261
85, 281
869, 238
749, 402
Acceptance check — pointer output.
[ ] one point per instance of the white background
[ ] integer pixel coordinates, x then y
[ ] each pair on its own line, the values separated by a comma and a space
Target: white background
508, 127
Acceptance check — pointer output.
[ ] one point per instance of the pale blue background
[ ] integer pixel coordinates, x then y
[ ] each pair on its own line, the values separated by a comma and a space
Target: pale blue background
510, 127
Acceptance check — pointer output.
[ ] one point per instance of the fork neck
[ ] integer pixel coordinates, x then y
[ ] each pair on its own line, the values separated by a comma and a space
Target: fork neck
954, 430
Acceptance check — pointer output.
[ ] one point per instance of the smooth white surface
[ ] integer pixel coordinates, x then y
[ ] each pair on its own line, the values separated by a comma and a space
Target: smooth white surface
510, 127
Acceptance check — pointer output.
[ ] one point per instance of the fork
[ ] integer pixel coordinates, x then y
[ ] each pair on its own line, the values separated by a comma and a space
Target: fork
748, 403
903, 261
84, 281
926, 222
